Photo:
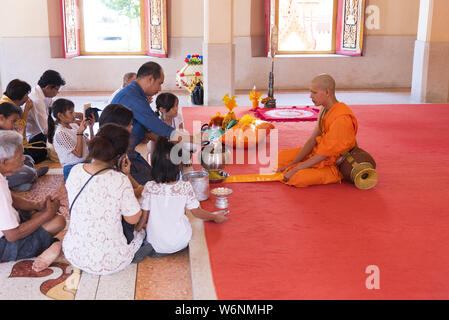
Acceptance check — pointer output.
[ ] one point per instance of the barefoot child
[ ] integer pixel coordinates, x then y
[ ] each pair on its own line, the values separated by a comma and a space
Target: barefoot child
165, 200
68, 138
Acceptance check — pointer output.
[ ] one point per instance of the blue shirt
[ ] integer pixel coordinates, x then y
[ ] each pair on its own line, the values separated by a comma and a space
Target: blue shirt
133, 97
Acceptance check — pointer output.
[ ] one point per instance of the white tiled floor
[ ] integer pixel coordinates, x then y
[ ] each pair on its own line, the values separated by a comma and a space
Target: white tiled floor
119, 286
22, 288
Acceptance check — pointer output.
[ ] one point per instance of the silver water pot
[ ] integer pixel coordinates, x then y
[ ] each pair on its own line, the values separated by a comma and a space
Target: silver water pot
214, 156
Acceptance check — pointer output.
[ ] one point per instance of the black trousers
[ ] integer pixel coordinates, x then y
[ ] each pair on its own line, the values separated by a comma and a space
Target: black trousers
38, 155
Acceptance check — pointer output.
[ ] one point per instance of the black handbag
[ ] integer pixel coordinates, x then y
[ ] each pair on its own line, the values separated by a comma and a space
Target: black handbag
197, 95
128, 229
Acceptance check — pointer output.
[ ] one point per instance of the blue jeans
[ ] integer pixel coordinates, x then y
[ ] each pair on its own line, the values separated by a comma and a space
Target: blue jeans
67, 169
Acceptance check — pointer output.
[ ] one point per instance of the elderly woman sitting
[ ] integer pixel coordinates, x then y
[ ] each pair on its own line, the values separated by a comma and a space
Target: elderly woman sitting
27, 228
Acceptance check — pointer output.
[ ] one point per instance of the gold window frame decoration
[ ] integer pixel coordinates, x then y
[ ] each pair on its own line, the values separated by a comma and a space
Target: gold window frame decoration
275, 17
156, 28
348, 29
70, 28
143, 34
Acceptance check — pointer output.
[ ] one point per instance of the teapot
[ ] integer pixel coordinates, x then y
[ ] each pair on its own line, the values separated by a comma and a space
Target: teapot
214, 155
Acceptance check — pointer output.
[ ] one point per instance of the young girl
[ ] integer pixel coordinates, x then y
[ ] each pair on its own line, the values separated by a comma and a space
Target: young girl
167, 110
24, 179
68, 138
164, 201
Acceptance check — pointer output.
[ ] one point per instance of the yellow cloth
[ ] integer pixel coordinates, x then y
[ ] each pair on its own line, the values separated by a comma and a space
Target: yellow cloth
254, 177
21, 122
6, 99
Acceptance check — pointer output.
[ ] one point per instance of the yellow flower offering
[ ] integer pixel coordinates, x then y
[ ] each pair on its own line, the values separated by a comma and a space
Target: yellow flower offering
230, 104
255, 96
247, 119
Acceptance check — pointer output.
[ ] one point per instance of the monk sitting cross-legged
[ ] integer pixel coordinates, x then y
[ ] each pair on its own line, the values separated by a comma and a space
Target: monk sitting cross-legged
335, 133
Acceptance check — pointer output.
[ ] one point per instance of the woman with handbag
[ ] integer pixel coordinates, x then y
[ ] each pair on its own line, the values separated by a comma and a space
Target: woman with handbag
100, 197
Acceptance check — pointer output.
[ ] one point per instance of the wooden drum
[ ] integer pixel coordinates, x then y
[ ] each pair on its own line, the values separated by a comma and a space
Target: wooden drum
358, 167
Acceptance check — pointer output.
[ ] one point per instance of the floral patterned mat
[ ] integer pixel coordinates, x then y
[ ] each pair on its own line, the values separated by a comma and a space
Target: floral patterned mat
63, 287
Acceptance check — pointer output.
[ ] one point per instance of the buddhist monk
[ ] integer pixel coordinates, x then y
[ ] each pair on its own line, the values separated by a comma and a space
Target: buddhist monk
335, 132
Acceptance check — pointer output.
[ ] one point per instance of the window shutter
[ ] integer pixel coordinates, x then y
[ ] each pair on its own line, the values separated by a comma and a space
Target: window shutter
70, 28
156, 28
350, 24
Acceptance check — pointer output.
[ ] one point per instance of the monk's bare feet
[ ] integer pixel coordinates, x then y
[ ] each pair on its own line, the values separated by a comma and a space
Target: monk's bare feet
47, 257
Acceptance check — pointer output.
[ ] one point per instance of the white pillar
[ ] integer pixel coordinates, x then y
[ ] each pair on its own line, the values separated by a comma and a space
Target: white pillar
430, 80
218, 51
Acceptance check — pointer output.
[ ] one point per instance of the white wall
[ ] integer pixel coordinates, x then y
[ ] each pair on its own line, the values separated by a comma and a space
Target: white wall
30, 43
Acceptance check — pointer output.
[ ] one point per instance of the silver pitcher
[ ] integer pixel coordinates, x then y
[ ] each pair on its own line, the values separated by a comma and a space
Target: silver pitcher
214, 156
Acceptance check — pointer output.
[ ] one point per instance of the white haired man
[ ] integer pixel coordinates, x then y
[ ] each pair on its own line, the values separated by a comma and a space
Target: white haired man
27, 228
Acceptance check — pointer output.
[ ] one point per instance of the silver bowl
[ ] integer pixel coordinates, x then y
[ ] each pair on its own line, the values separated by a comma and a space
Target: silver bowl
221, 195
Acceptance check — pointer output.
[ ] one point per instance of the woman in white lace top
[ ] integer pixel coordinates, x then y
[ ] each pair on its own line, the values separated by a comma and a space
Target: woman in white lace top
95, 241
67, 137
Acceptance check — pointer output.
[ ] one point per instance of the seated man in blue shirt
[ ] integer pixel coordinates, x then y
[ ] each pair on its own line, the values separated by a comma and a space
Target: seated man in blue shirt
150, 77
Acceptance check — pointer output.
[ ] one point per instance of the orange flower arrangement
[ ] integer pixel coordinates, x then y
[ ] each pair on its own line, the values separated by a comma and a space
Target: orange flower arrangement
254, 97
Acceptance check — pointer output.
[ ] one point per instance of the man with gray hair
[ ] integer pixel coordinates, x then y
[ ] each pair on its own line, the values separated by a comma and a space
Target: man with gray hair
27, 228
127, 79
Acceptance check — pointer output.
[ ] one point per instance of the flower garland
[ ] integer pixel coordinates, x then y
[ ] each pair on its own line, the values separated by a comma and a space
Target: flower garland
194, 59
191, 73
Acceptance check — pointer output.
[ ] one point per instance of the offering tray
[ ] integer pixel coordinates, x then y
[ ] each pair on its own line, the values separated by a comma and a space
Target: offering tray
222, 197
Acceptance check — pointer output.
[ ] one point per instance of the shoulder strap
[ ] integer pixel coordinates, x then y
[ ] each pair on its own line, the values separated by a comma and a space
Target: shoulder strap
101, 170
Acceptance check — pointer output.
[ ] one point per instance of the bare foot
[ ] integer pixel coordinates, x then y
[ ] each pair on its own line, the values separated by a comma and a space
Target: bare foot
47, 257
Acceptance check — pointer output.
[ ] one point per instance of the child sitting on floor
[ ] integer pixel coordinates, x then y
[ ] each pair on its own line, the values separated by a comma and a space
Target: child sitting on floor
167, 110
24, 179
164, 201
67, 137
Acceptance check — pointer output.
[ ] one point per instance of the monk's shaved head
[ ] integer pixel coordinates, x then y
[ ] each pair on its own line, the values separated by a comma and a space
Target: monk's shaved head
324, 82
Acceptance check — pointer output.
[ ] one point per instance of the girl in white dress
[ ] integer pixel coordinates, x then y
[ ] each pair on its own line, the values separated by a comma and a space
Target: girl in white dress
164, 201
95, 241
67, 137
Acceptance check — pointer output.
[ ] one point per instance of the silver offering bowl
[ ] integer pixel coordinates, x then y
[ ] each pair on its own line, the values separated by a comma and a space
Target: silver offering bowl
222, 197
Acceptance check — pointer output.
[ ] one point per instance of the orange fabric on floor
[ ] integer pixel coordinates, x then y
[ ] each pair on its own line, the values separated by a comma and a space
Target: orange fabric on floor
307, 177
339, 129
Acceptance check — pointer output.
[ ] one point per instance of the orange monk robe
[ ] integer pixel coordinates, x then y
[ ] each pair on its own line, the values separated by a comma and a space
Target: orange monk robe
339, 129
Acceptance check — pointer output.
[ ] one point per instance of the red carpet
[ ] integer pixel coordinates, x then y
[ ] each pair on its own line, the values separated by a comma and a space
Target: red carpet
316, 242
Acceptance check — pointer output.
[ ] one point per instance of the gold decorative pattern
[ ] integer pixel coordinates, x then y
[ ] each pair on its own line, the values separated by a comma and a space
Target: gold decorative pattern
70, 27
157, 41
352, 24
